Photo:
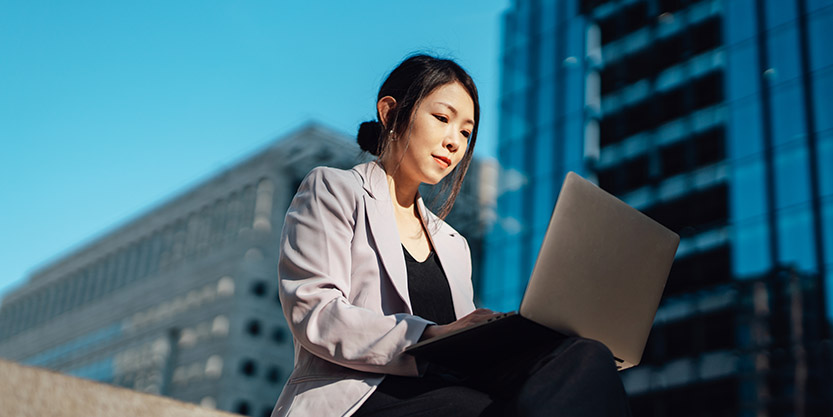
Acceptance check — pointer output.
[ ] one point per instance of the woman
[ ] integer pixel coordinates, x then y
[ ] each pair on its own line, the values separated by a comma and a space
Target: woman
366, 270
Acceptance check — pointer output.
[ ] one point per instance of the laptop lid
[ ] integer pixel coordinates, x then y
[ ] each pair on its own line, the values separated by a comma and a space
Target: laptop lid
600, 271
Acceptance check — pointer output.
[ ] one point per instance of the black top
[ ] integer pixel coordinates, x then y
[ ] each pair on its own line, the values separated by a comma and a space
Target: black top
428, 289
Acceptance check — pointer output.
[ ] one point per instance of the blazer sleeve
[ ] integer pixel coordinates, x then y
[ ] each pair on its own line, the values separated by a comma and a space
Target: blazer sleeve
314, 274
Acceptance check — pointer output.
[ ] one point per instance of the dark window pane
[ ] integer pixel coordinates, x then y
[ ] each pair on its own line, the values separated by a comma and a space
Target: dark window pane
825, 163
792, 176
278, 335
710, 146
750, 255
787, 113
783, 52
745, 133
243, 408
823, 100
698, 271
253, 327
740, 20
259, 288
796, 238
248, 367
820, 32
742, 70
706, 35
675, 159
273, 375
778, 12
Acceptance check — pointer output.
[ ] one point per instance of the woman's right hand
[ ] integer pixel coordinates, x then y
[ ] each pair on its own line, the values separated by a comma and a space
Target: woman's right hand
477, 316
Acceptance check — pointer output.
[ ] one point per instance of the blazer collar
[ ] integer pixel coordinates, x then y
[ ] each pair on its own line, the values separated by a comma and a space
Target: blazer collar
374, 179
383, 228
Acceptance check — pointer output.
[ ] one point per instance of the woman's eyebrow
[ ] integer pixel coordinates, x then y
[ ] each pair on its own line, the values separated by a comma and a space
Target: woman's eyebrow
453, 110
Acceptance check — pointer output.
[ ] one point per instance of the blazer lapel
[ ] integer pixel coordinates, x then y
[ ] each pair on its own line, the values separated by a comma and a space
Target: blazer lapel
449, 250
379, 209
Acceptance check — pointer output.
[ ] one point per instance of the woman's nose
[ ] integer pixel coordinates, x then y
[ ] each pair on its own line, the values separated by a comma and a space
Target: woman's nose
451, 142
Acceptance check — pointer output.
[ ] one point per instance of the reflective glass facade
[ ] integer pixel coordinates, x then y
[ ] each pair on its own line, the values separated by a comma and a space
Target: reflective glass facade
542, 136
715, 118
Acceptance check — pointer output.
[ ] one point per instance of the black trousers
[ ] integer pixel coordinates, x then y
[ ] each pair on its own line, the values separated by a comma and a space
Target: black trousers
575, 377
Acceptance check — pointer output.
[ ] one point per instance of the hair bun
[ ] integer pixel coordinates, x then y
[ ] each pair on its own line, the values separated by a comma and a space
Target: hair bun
368, 137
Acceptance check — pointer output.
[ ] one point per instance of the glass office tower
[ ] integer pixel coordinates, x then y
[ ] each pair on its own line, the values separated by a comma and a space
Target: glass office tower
714, 117
541, 130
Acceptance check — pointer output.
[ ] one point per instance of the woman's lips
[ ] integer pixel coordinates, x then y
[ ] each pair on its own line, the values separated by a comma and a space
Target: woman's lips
443, 161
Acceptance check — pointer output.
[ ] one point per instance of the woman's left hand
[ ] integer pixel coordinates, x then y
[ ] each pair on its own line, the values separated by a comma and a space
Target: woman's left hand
477, 316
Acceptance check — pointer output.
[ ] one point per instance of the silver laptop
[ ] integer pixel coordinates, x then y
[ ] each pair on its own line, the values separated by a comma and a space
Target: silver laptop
600, 274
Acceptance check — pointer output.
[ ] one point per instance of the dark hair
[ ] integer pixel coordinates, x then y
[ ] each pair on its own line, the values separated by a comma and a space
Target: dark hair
409, 83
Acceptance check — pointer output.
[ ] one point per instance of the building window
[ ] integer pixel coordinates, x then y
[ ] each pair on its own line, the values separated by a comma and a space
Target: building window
191, 233
155, 250
242, 407
220, 326
232, 214
208, 402
792, 176
253, 255
225, 286
279, 335
178, 246
85, 292
253, 327
144, 258
50, 301
796, 238
700, 270
63, 295
273, 375
218, 220
248, 367
166, 253
788, 113
74, 288
259, 288
710, 146
247, 218
674, 160
91, 281
108, 282
694, 212
214, 366
204, 232
263, 205
187, 338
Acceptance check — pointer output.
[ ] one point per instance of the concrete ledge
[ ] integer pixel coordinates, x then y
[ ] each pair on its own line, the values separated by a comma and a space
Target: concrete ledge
27, 391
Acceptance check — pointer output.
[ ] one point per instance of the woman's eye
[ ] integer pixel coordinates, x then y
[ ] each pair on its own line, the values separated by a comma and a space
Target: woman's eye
466, 134
441, 118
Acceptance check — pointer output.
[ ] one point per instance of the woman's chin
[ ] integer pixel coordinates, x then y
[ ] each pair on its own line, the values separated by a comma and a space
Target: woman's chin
434, 179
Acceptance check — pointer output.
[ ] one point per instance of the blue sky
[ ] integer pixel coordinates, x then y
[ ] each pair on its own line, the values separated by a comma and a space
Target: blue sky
109, 108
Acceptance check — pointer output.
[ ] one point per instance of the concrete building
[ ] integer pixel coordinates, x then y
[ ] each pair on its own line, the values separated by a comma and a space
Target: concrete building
714, 118
181, 301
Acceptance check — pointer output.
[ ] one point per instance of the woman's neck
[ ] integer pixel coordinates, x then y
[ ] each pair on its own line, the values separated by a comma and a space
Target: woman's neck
403, 193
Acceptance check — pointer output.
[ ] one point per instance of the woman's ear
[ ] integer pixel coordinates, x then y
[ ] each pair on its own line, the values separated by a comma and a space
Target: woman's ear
385, 107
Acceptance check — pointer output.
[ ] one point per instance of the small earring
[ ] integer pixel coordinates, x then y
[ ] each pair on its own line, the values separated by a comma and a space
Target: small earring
392, 138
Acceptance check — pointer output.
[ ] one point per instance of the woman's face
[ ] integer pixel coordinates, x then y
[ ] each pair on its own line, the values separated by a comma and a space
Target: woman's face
439, 131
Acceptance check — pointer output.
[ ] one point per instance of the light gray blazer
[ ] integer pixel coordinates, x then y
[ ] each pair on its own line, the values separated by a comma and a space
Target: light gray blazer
344, 289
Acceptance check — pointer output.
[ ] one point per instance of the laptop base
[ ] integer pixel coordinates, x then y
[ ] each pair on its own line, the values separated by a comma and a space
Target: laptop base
477, 349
